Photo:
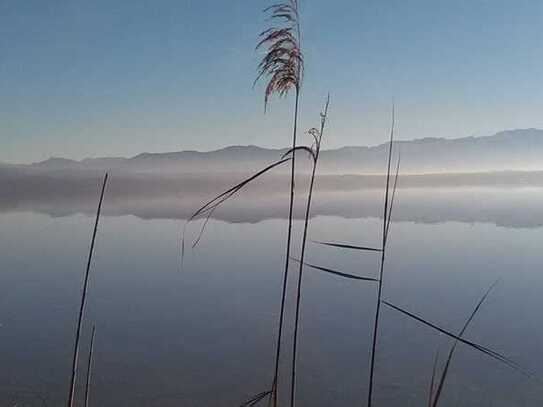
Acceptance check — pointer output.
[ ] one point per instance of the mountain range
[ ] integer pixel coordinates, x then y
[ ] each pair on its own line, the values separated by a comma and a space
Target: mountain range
520, 149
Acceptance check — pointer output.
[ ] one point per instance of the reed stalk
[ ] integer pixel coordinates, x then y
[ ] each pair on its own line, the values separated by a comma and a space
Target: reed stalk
73, 378
89, 368
317, 134
386, 224
443, 377
283, 66
483, 349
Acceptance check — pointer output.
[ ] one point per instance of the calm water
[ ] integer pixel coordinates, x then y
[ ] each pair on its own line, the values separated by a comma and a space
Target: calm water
204, 336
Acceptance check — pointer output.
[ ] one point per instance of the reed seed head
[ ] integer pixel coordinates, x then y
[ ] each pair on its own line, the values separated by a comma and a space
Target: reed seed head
282, 64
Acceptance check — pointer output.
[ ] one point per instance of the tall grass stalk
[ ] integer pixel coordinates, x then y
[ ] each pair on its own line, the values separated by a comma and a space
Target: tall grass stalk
386, 223
317, 135
283, 66
71, 391
89, 367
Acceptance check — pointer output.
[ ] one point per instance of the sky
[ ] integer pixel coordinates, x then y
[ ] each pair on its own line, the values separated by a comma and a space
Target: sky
116, 78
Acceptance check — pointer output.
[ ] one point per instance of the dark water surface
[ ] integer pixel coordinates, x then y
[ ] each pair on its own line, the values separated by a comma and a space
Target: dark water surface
204, 336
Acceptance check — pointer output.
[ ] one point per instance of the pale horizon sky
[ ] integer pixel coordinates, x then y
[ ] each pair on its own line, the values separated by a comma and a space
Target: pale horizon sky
84, 79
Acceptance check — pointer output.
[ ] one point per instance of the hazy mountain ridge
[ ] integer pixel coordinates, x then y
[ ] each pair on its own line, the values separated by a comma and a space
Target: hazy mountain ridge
480, 171
520, 149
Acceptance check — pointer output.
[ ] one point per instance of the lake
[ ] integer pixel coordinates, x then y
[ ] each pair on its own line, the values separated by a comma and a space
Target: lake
204, 335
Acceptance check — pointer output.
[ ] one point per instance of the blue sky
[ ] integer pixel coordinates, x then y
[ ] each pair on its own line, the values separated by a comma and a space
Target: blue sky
116, 78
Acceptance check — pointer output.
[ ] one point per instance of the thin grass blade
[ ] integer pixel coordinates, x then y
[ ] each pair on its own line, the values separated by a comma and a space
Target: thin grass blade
235, 188
453, 348
471, 344
89, 367
301, 148
209, 207
432, 381
389, 217
255, 399
347, 246
335, 272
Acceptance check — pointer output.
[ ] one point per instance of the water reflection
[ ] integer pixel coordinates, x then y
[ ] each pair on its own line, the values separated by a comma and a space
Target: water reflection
204, 337
514, 207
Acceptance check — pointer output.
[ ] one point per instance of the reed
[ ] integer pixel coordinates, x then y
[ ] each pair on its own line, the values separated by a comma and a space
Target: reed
282, 66
441, 382
349, 246
317, 135
482, 349
206, 210
71, 391
254, 400
433, 379
89, 367
336, 272
387, 214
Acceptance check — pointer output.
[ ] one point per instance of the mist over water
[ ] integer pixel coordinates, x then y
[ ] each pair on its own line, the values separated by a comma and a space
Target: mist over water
510, 199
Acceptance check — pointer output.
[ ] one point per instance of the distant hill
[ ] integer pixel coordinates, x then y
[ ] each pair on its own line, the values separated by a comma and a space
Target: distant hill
507, 150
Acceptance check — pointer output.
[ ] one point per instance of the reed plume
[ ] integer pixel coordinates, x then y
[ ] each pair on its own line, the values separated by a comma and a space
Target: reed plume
71, 391
282, 66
